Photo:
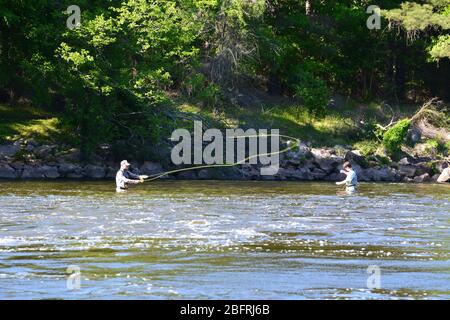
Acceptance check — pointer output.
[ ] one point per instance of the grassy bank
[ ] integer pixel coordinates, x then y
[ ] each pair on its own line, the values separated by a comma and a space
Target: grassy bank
348, 123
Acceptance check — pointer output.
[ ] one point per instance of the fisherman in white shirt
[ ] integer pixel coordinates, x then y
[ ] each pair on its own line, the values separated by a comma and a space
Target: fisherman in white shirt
124, 177
351, 181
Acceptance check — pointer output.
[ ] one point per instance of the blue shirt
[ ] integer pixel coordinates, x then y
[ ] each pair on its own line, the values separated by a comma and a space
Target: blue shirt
352, 179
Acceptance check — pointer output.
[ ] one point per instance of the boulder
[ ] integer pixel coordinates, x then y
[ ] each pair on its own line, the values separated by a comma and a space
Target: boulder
422, 168
249, 172
40, 172
151, 168
95, 172
204, 174
407, 180
302, 174
75, 175
73, 155
45, 150
335, 176
187, 175
50, 172
404, 161
444, 176
111, 173
435, 177
318, 174
407, 170
295, 174
301, 152
329, 164
30, 148
7, 172
383, 174
355, 157
414, 135
67, 168
321, 153
17, 165
9, 150
440, 165
422, 178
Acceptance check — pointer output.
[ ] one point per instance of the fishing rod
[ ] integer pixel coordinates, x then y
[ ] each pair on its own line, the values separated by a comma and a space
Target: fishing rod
289, 148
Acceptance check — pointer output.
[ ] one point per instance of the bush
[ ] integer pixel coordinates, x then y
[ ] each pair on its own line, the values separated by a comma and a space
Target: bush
432, 146
447, 148
314, 93
394, 137
367, 147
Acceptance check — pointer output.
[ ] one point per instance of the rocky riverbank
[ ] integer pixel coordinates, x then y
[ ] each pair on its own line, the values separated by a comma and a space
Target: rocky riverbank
29, 160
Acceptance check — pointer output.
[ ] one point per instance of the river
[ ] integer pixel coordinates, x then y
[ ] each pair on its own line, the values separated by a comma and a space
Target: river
223, 240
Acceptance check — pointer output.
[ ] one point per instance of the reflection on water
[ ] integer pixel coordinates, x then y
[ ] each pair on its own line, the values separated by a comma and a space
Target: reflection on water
224, 240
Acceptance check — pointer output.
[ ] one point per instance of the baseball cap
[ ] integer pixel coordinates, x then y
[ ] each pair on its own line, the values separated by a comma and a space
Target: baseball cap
125, 163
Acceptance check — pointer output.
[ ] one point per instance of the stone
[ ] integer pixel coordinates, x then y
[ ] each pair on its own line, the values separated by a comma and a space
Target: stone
414, 135
66, 168
295, 174
422, 168
40, 172
151, 168
404, 161
302, 174
95, 172
407, 170
445, 176
301, 152
204, 174
45, 150
75, 175
30, 148
321, 153
50, 172
440, 165
7, 172
187, 175
383, 174
318, 174
293, 162
335, 176
329, 164
31, 172
354, 157
407, 180
9, 150
435, 177
422, 178
111, 173
73, 155
17, 165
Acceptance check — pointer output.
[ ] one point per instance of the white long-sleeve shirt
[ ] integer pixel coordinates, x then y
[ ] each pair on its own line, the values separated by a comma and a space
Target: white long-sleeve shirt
125, 177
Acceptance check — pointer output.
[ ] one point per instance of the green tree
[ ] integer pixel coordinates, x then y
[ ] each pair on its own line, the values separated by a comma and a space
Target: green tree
431, 18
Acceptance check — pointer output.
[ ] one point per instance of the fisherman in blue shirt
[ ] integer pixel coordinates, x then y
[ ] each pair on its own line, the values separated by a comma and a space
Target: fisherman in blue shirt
351, 181
124, 177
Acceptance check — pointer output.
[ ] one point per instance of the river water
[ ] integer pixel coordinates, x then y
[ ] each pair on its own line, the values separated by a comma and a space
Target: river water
223, 240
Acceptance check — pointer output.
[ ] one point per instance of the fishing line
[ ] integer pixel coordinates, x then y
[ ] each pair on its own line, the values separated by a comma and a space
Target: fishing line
243, 161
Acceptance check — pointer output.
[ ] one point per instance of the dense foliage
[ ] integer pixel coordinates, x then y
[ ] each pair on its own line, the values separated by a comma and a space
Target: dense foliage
112, 76
394, 137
